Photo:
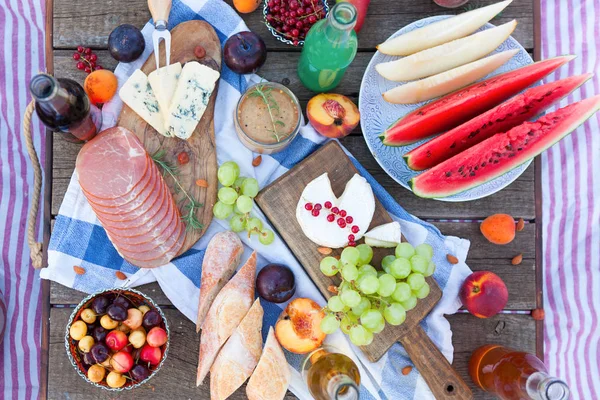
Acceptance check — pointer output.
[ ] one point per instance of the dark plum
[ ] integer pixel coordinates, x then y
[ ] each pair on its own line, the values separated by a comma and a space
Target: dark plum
100, 352
99, 334
151, 319
126, 43
123, 302
99, 304
276, 283
245, 52
117, 312
139, 372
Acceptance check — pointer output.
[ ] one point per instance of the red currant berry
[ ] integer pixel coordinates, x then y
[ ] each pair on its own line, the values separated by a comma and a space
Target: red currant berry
80, 49
318, 206
352, 244
299, 25
285, 28
98, 67
92, 64
349, 219
76, 56
293, 5
293, 14
271, 4
80, 65
300, 11
183, 158
343, 213
88, 70
308, 206
330, 217
87, 50
351, 238
275, 9
296, 42
315, 213
295, 32
328, 205
335, 210
312, 19
355, 229
341, 222
93, 57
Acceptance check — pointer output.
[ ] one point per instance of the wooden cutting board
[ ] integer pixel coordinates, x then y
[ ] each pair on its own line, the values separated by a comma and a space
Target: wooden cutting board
281, 196
201, 146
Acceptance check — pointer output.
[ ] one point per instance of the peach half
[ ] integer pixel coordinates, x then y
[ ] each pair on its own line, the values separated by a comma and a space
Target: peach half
484, 294
298, 328
332, 115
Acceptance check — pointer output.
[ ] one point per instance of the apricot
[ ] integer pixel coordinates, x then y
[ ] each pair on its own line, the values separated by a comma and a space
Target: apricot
484, 294
298, 328
498, 228
101, 86
332, 115
246, 6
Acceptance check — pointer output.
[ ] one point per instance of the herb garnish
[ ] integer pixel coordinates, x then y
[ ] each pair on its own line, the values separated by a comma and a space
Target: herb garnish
189, 215
264, 93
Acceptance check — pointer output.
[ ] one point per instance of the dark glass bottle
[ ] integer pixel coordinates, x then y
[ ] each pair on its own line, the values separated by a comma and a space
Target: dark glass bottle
62, 105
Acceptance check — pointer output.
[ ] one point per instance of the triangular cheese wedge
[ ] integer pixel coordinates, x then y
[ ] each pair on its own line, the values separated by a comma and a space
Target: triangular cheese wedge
164, 82
225, 314
220, 261
239, 355
271, 377
386, 235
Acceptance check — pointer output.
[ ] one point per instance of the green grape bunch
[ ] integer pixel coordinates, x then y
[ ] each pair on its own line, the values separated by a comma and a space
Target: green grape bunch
366, 299
236, 200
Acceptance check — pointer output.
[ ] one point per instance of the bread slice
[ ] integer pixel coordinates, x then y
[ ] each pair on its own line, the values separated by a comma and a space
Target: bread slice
271, 377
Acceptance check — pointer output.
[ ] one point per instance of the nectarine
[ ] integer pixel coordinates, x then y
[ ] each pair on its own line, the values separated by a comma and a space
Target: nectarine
484, 294
332, 115
298, 328
498, 228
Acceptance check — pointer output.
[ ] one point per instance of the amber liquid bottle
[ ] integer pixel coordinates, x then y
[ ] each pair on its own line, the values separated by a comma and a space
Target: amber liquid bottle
62, 105
514, 375
331, 376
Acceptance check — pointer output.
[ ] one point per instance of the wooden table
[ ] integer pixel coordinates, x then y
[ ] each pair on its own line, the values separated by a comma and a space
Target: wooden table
82, 22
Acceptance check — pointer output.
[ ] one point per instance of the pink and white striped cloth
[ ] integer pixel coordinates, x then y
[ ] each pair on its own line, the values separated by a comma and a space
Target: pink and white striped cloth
22, 53
571, 204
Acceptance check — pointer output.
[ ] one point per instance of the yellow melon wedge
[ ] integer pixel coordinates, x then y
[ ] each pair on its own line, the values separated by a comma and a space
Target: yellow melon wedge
446, 56
442, 31
446, 82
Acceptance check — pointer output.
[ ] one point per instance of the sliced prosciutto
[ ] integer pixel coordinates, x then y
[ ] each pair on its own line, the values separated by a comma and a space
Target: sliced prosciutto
133, 203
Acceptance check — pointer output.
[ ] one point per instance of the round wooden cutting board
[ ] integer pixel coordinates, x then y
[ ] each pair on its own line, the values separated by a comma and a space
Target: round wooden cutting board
201, 146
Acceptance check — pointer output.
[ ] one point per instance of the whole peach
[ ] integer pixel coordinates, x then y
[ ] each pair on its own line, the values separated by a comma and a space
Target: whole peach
484, 294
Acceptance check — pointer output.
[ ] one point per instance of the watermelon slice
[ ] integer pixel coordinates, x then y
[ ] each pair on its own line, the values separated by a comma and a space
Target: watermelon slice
502, 152
458, 107
511, 113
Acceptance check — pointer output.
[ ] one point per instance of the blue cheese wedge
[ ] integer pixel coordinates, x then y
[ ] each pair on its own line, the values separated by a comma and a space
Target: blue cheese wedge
138, 95
164, 82
196, 84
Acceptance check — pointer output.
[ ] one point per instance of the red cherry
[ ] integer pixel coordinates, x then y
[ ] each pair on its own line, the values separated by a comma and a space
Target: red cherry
87, 50
352, 244
341, 222
80, 65
308, 206
335, 210
351, 238
328, 205
315, 213
355, 229
318, 206
349, 219
330, 217
76, 56
343, 213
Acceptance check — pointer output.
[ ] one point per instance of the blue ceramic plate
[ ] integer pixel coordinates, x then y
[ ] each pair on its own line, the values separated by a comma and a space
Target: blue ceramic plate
376, 115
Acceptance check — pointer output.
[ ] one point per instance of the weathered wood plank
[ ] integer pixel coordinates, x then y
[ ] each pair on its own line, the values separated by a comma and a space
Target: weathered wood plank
95, 20
177, 375
520, 280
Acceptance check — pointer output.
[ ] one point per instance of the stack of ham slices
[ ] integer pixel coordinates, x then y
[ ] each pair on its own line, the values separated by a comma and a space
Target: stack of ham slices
231, 345
130, 198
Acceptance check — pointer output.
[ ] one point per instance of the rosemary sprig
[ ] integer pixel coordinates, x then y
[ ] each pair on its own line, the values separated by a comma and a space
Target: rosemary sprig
189, 216
272, 106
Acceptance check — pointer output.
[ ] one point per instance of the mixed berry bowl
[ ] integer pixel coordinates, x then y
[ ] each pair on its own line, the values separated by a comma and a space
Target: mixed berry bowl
117, 339
290, 20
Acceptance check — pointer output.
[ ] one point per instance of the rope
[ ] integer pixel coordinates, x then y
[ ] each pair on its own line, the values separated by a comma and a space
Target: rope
35, 248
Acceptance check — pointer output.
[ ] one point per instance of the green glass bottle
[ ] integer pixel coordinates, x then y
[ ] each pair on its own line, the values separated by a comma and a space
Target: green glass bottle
329, 48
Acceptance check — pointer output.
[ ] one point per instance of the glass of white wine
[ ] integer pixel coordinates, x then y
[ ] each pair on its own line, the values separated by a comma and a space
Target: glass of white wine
331, 375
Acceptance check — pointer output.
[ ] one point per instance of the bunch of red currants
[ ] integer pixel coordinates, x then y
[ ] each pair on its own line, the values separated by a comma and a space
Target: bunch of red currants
86, 60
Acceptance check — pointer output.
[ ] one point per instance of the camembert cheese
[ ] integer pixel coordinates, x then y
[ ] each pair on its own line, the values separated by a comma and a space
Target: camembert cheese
138, 95
164, 82
196, 84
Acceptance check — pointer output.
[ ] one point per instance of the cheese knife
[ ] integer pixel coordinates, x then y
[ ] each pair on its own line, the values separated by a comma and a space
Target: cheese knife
160, 9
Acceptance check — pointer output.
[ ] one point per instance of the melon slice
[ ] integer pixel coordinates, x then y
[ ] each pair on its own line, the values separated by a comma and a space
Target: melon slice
442, 31
446, 82
450, 111
446, 56
507, 115
502, 152
386, 235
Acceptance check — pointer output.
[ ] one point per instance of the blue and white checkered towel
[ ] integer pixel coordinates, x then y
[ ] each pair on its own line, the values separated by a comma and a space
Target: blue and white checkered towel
79, 239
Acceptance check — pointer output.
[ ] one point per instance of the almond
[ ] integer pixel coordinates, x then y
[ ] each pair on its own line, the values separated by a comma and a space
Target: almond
517, 259
520, 225
406, 370
256, 162
121, 275
324, 250
451, 259
538, 314
78, 270
201, 183
332, 289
